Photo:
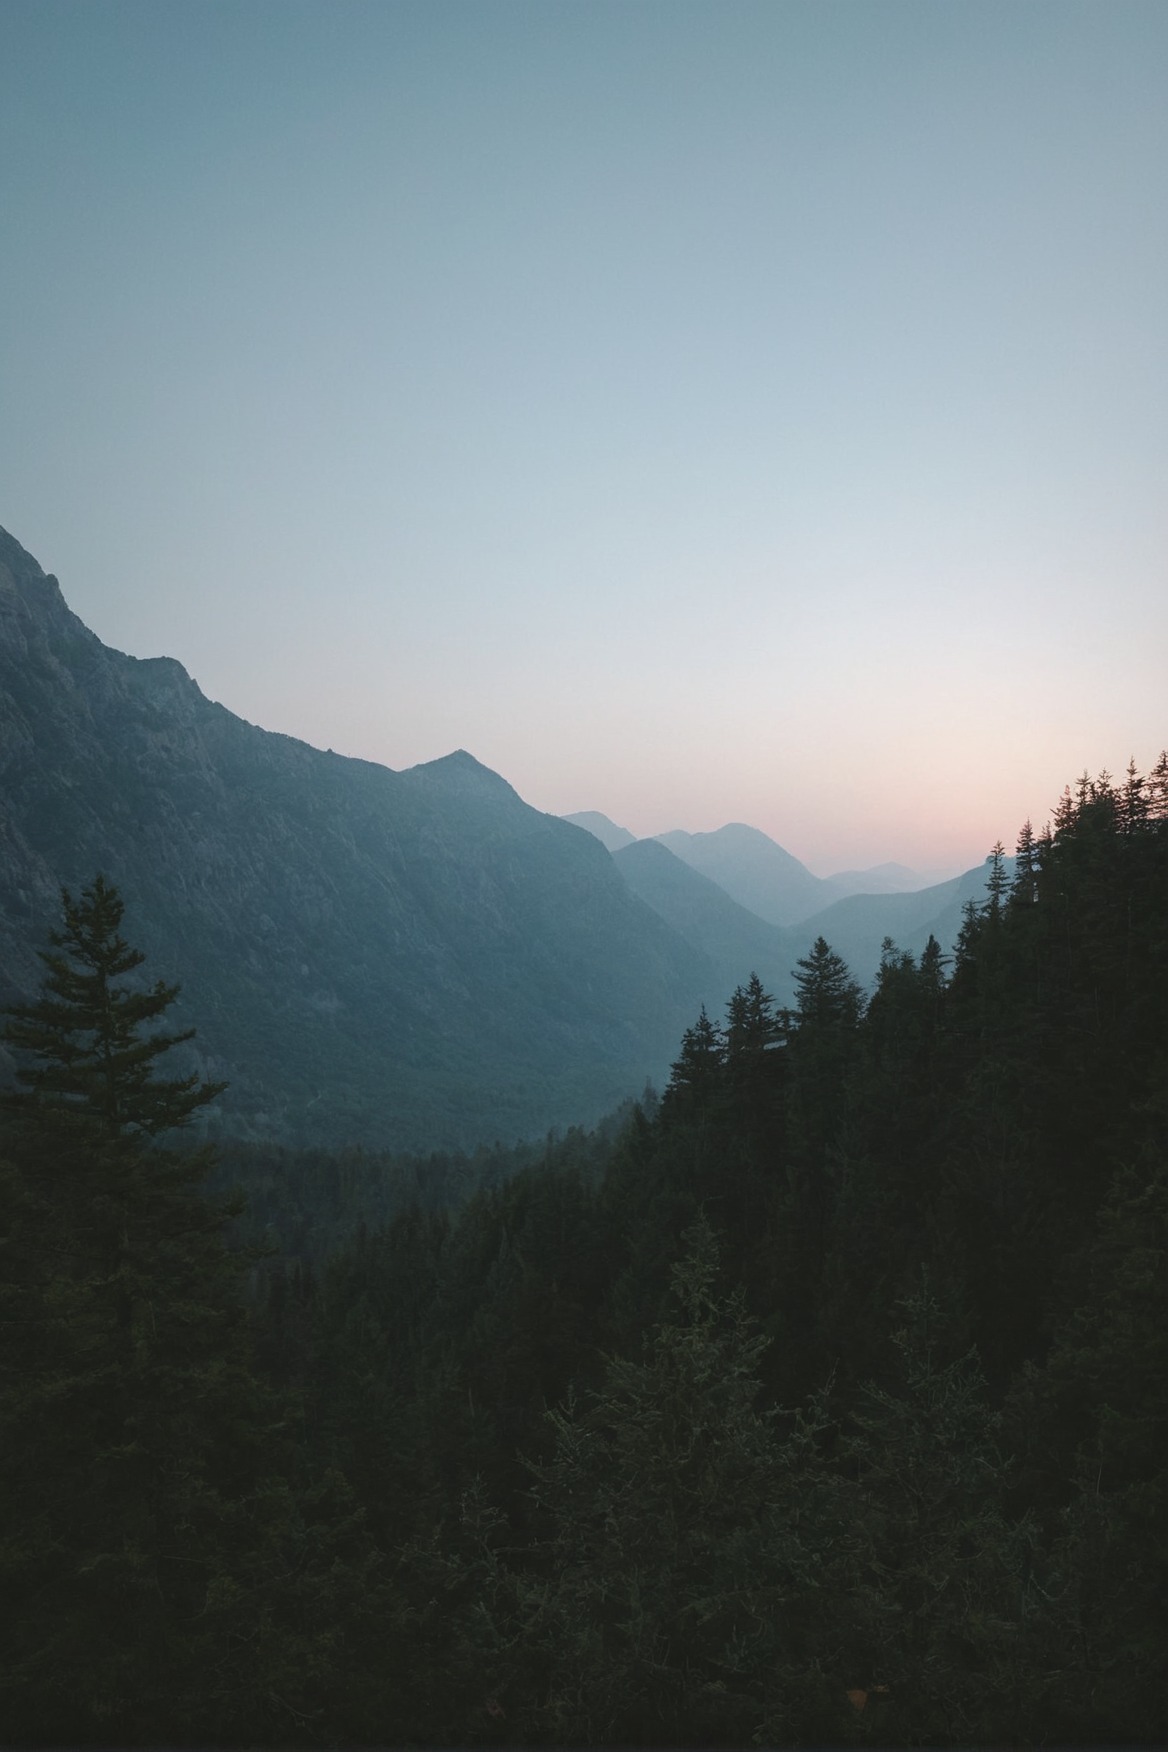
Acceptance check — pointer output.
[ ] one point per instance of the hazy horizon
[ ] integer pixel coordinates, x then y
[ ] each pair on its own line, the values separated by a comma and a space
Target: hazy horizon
698, 412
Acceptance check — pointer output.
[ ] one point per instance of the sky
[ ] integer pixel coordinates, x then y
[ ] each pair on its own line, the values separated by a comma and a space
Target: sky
699, 412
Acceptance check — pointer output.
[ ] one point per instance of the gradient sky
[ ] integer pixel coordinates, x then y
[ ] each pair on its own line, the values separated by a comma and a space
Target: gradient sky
699, 412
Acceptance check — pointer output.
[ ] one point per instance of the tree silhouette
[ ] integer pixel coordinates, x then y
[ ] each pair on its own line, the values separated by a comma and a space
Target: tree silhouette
85, 1033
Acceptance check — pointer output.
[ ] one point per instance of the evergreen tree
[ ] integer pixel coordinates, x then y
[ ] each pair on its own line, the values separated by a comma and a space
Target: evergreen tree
997, 882
751, 1023
171, 1579
822, 1049
827, 995
696, 1073
1026, 860
1157, 789
757, 1088
945, 1590
1093, 1427
678, 1597
886, 1159
85, 1034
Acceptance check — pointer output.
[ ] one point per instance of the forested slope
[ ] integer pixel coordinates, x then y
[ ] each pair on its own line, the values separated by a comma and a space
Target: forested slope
824, 1402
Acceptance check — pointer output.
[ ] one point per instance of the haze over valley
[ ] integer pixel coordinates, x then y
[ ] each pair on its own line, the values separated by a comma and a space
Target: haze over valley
399, 959
583, 873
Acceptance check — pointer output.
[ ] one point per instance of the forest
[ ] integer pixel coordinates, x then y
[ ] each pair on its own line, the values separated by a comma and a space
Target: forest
821, 1400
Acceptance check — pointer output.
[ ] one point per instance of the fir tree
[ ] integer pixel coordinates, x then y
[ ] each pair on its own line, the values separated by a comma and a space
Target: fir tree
997, 882
943, 1583
677, 1598
697, 1070
751, 1024
170, 1579
827, 995
85, 1034
822, 1050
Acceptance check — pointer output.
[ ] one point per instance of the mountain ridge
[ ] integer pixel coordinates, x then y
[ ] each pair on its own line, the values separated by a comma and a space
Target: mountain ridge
411, 958
754, 870
736, 940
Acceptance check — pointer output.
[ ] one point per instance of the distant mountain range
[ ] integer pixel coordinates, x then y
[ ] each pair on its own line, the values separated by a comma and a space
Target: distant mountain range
736, 941
732, 937
600, 827
757, 872
411, 958
414, 959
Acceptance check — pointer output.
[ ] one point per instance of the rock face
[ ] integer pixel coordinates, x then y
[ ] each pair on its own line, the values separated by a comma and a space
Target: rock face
412, 959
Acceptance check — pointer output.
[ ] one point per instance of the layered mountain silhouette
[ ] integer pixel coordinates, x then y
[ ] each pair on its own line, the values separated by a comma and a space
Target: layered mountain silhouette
601, 828
754, 871
855, 910
759, 873
857, 925
736, 941
414, 959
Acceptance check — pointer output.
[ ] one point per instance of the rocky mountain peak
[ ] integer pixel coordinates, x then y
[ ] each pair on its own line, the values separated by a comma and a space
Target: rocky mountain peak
460, 775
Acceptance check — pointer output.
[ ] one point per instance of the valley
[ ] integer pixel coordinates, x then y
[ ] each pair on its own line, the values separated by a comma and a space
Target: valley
402, 959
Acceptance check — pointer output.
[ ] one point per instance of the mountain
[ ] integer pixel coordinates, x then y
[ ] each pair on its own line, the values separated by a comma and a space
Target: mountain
854, 910
754, 871
880, 879
857, 925
601, 828
411, 959
735, 941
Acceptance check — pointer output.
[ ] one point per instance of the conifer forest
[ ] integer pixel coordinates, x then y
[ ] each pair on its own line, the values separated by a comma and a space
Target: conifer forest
820, 1399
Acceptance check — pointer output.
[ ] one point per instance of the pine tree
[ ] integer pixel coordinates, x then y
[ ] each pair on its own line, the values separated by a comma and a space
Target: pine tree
1094, 1423
1026, 862
85, 1033
945, 1588
755, 1066
751, 1024
1157, 789
1134, 800
827, 995
997, 882
676, 1599
167, 1580
697, 1070
822, 1051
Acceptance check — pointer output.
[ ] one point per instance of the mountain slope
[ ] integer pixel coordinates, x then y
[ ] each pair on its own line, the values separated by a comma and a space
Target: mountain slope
856, 926
411, 958
607, 832
880, 879
767, 881
753, 870
736, 942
